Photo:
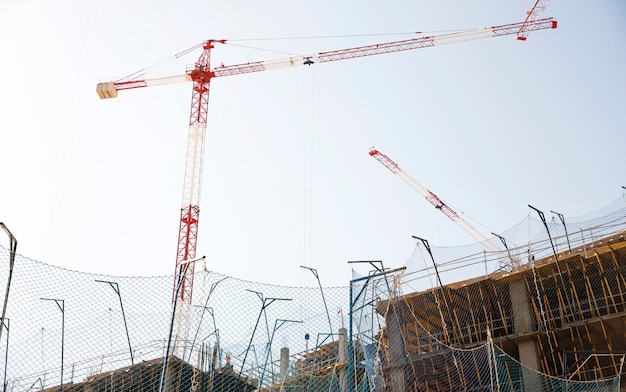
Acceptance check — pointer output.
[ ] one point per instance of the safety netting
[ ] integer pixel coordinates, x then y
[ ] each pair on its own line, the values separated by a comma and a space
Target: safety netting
546, 312
513, 376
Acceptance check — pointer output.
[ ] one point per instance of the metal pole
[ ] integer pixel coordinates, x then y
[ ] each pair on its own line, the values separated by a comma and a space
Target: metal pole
184, 266
193, 342
265, 302
556, 261
350, 346
562, 218
206, 307
508, 252
351, 364
330, 325
456, 327
12, 249
269, 347
116, 288
380, 270
6, 354
61, 304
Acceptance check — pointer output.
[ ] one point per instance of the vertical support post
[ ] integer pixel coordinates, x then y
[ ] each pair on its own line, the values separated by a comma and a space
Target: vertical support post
330, 325
350, 344
443, 293
61, 304
582, 235
204, 309
265, 302
570, 315
485, 259
284, 363
524, 324
562, 218
6, 354
508, 252
343, 354
353, 298
12, 249
184, 267
268, 354
116, 288
556, 261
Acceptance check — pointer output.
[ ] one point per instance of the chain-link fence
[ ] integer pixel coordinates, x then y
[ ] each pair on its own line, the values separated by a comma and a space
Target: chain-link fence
71, 326
452, 319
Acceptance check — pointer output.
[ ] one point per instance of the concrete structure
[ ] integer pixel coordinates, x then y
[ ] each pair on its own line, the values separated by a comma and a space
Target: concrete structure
557, 318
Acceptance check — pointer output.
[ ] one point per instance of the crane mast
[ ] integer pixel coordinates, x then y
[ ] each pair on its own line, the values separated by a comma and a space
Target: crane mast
433, 199
192, 184
202, 73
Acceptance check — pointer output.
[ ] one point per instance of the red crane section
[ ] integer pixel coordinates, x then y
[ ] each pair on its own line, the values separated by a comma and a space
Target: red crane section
532, 18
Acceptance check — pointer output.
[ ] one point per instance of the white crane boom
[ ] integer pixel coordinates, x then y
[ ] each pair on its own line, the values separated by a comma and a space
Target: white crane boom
110, 89
436, 201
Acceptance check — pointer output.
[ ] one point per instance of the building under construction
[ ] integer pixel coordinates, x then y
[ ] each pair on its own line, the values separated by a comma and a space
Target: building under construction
564, 318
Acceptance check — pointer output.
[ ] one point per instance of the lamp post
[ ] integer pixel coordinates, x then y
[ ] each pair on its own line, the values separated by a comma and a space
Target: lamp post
116, 288
61, 304
184, 266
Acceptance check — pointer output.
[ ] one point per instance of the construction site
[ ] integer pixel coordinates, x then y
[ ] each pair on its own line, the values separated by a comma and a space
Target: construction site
538, 307
547, 312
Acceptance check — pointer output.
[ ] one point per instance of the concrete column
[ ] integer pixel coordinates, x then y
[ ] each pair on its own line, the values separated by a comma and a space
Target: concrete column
284, 363
523, 323
523, 318
343, 345
343, 357
397, 348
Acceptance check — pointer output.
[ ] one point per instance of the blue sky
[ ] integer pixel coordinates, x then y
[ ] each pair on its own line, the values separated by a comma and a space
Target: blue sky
490, 126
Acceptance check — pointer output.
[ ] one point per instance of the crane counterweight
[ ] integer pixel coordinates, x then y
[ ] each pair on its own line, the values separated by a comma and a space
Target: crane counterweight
106, 90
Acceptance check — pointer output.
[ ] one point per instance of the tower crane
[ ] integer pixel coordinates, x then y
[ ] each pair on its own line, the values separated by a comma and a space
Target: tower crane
436, 201
201, 74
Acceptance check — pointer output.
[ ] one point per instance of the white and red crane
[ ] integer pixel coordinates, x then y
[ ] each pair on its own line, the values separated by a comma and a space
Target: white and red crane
436, 202
201, 75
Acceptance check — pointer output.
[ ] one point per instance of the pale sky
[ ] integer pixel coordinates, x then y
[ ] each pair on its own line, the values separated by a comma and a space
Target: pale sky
490, 126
